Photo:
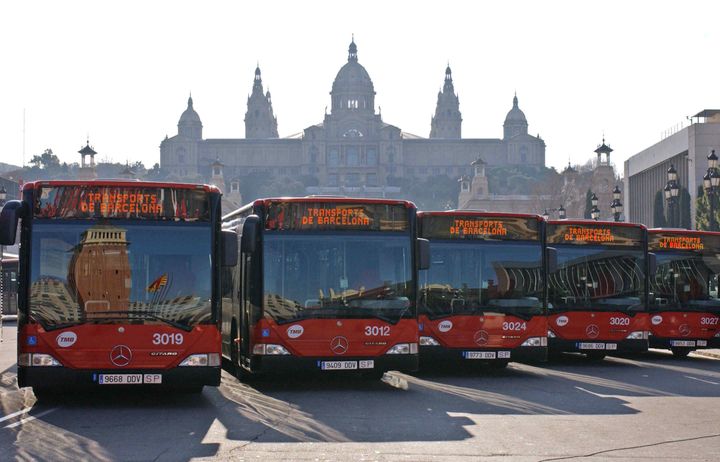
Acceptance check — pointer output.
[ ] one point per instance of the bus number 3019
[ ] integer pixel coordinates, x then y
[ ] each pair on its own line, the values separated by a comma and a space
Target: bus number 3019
377, 331
168, 339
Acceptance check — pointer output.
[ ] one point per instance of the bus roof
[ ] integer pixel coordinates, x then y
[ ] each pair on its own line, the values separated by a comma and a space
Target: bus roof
596, 222
477, 213
335, 199
686, 232
120, 183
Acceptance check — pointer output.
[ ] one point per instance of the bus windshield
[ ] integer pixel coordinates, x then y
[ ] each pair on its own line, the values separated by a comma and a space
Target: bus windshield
686, 281
326, 275
120, 272
592, 277
477, 277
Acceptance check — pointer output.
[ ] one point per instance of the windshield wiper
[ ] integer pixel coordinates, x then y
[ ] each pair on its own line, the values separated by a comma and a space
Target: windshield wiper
141, 315
52, 327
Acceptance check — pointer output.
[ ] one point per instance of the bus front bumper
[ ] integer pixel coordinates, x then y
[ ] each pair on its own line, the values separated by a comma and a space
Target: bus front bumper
598, 346
62, 377
438, 355
269, 364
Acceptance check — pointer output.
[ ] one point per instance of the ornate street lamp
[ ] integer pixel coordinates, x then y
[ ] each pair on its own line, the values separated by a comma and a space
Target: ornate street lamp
616, 207
546, 215
672, 190
594, 211
711, 181
561, 212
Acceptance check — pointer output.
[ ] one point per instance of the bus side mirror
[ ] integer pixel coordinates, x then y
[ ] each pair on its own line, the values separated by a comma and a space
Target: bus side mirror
423, 253
250, 231
652, 264
229, 248
9, 217
551, 255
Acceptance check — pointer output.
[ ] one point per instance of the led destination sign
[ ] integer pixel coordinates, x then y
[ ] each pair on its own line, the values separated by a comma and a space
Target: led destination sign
476, 227
331, 215
589, 234
92, 201
670, 242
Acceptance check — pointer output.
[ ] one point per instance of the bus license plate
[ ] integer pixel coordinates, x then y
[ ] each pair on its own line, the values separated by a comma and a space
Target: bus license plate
611, 346
591, 346
702, 343
480, 355
120, 379
683, 343
338, 365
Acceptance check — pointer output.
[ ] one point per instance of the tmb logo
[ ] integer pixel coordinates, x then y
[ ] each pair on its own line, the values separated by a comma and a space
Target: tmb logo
445, 326
295, 331
66, 339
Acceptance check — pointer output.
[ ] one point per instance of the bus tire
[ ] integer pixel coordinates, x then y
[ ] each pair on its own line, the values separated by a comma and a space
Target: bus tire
595, 355
46, 395
680, 352
234, 367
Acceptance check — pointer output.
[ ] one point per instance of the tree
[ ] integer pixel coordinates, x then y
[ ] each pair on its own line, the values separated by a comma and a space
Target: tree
47, 160
658, 211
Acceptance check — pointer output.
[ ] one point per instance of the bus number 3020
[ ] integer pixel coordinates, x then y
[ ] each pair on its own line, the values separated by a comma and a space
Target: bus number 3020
377, 331
168, 339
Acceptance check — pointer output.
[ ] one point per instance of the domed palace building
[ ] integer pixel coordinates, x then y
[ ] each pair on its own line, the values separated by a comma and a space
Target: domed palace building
352, 151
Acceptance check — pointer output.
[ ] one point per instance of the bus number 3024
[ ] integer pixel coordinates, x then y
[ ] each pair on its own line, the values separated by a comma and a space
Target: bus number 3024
168, 339
377, 331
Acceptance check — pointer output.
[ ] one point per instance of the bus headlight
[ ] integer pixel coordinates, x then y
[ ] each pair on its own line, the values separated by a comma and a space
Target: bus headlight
269, 349
403, 349
551, 334
638, 335
202, 359
37, 359
717, 335
535, 342
428, 341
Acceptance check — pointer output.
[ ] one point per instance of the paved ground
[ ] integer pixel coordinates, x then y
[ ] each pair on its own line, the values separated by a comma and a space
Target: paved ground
651, 407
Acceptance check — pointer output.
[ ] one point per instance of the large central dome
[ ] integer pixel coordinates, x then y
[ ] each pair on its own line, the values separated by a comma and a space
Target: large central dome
352, 88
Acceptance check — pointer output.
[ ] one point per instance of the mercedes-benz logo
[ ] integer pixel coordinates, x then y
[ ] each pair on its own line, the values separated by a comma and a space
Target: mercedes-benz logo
684, 330
121, 355
481, 337
339, 345
592, 331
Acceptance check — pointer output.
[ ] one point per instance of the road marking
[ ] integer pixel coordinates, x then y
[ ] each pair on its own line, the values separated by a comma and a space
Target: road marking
29, 419
15, 414
701, 380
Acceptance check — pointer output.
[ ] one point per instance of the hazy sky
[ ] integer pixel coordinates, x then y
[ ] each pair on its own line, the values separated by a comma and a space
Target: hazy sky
121, 72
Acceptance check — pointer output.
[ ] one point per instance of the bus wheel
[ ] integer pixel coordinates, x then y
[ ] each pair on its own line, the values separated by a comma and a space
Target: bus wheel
234, 367
595, 356
680, 352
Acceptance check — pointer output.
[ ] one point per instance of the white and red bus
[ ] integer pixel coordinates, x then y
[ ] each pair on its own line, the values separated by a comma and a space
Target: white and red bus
684, 303
597, 287
482, 299
323, 284
118, 283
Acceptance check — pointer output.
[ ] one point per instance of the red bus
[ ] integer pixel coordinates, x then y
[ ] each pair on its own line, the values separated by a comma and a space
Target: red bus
118, 283
597, 287
684, 303
323, 284
483, 296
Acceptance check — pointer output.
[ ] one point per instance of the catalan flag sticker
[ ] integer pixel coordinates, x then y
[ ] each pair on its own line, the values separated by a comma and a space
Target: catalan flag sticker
158, 283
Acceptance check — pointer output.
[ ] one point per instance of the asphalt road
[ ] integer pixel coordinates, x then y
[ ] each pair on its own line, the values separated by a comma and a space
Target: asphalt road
652, 407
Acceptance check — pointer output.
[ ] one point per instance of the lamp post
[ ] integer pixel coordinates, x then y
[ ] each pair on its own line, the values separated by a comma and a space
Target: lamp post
616, 206
560, 210
711, 181
3, 197
595, 211
672, 189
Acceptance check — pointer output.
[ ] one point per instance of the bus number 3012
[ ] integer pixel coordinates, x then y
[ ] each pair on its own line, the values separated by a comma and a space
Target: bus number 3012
168, 339
377, 331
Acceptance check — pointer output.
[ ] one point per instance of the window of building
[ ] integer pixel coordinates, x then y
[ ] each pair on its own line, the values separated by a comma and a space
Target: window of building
372, 179
372, 158
333, 157
352, 104
436, 170
332, 179
353, 155
423, 170
352, 179
410, 171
